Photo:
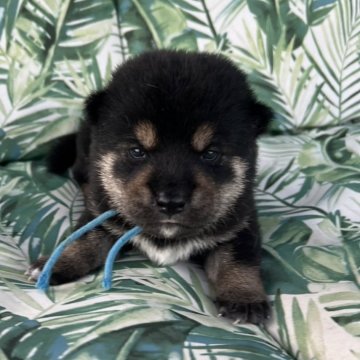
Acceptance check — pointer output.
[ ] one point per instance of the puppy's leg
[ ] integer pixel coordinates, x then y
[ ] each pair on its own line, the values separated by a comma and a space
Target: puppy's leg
233, 269
78, 259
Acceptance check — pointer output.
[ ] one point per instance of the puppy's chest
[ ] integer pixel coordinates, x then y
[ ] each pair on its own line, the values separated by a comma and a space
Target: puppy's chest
172, 253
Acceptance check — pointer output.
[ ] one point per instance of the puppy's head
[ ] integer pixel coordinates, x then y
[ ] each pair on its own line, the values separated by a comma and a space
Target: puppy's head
173, 139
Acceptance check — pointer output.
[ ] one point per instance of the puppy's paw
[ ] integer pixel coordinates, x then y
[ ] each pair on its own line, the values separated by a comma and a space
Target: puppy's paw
255, 312
34, 270
63, 271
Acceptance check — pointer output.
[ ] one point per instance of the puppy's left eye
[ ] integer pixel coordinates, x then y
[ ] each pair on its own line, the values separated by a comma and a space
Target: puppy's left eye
210, 155
137, 153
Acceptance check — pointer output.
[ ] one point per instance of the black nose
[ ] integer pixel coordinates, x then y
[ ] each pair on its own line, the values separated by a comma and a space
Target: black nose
170, 204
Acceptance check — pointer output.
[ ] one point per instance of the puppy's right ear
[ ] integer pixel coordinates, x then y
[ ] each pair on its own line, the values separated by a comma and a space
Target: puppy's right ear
94, 105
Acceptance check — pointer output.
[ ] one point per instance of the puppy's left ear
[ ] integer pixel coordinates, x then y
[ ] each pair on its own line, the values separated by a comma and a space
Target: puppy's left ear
94, 105
262, 115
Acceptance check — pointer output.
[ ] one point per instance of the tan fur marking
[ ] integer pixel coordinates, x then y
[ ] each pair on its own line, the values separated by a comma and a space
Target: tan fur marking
127, 198
146, 134
111, 184
205, 190
137, 188
202, 137
234, 282
230, 192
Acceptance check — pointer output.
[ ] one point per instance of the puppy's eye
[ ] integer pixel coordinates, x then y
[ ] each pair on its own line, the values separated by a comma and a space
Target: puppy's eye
137, 153
210, 155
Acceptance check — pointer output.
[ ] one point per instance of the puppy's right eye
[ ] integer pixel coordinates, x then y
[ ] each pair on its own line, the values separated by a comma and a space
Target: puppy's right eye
137, 153
210, 155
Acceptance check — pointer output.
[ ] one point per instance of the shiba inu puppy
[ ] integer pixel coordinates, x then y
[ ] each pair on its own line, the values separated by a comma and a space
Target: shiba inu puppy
171, 144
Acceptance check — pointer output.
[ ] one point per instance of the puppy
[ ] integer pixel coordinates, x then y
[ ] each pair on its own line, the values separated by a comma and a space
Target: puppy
170, 144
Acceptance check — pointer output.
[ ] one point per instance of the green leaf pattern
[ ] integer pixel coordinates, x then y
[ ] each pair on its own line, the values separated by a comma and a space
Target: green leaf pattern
303, 60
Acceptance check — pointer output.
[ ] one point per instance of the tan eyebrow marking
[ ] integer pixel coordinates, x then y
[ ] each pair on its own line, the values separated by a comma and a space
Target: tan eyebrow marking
202, 137
146, 134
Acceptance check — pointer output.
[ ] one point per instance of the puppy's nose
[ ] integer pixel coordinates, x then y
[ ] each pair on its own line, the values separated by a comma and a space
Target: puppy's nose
170, 204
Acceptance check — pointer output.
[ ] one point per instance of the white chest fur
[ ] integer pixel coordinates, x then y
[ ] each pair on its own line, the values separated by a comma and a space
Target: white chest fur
180, 251
170, 254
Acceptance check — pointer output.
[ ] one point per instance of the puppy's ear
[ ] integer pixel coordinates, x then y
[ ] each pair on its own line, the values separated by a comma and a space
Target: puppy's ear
264, 116
261, 115
93, 106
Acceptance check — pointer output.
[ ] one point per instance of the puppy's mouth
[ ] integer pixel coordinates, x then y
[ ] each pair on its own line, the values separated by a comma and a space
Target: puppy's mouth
169, 229
173, 222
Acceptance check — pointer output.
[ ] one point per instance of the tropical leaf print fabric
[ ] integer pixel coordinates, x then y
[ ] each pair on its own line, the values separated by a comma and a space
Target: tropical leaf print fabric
303, 60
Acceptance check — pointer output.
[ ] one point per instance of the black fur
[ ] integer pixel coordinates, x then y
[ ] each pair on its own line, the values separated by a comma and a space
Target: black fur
176, 92
62, 155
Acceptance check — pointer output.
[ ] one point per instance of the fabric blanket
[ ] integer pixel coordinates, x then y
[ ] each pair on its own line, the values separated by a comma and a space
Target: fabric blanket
303, 60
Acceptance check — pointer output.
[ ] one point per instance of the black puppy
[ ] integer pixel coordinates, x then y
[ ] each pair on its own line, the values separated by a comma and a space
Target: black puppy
171, 144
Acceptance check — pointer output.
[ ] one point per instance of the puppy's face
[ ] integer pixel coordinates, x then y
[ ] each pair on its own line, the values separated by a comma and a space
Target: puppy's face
172, 187
175, 155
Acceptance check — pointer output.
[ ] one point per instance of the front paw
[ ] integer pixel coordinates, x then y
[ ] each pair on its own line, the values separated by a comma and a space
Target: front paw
34, 270
254, 312
62, 272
